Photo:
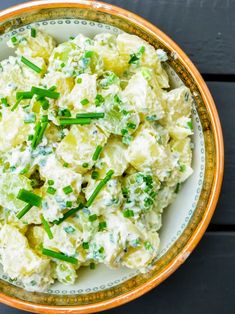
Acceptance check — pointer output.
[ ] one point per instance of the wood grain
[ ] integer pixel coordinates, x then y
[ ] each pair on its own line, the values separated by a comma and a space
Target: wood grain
223, 94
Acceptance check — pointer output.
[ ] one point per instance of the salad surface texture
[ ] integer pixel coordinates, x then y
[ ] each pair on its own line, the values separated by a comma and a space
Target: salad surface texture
94, 145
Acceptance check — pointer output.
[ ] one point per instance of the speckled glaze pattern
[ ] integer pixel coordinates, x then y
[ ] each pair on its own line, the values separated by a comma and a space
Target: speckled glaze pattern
196, 226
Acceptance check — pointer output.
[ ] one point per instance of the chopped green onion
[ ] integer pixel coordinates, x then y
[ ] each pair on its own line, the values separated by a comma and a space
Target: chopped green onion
99, 187
60, 256
24, 95
30, 137
128, 213
64, 113
85, 165
4, 102
84, 101
68, 189
88, 54
16, 104
45, 118
177, 188
51, 190
29, 197
79, 80
24, 211
49, 93
92, 218
92, 265
14, 39
190, 124
101, 250
50, 182
46, 227
41, 132
68, 214
71, 121
131, 125
91, 115
33, 32
35, 137
31, 65
45, 104
102, 225
95, 175
99, 100
85, 245
97, 152
69, 204
65, 164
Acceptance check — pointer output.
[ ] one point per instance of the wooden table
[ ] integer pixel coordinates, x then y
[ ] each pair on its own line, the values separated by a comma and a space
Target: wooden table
205, 30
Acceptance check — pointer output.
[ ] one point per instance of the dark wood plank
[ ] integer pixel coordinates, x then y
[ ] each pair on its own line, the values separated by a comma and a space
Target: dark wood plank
223, 94
204, 29
204, 284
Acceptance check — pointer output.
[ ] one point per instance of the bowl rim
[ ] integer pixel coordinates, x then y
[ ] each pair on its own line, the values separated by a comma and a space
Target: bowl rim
219, 149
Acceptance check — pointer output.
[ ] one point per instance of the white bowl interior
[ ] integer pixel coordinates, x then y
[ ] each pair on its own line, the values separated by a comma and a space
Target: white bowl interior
175, 217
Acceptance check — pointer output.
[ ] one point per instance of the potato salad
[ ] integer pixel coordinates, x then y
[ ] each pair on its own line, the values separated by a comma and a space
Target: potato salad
94, 145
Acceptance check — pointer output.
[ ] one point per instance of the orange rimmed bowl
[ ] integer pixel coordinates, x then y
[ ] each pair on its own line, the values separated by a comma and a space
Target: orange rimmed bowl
186, 220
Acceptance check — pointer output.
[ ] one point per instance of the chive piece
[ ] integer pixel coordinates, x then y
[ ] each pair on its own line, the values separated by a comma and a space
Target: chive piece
85, 165
68, 214
84, 101
85, 245
69, 204
88, 54
41, 132
30, 137
35, 137
101, 250
49, 93
99, 100
92, 265
64, 113
4, 102
177, 188
60, 256
29, 197
131, 125
99, 187
16, 104
95, 175
102, 225
31, 65
68, 189
91, 115
92, 218
45, 118
33, 32
24, 211
65, 164
50, 182
13, 39
24, 95
51, 190
128, 213
46, 227
79, 80
97, 152
45, 104
74, 121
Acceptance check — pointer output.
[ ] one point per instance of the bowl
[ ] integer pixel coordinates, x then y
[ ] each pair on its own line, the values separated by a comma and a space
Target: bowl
185, 221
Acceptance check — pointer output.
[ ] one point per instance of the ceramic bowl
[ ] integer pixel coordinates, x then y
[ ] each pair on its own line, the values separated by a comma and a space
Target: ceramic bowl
186, 220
